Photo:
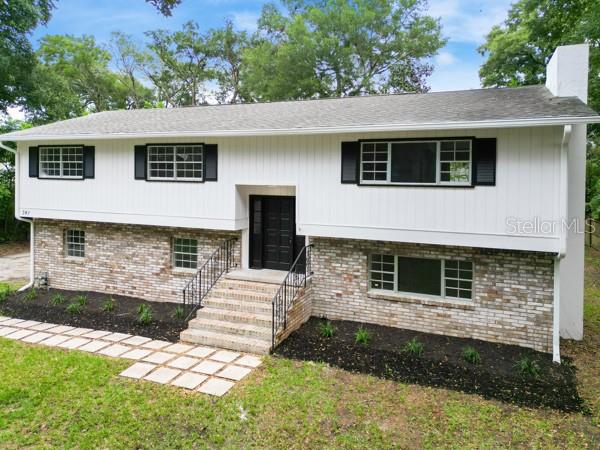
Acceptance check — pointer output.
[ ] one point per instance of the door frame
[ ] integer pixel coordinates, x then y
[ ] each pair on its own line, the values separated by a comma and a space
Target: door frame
256, 251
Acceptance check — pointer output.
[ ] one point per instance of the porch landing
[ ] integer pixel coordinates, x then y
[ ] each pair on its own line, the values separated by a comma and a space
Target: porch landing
258, 275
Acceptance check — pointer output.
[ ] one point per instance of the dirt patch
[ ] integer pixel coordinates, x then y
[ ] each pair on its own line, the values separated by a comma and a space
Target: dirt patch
13, 248
441, 364
122, 319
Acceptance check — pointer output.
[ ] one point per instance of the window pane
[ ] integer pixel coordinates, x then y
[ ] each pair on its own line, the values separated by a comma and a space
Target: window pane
185, 253
455, 162
75, 243
414, 162
419, 275
61, 162
374, 161
382, 272
458, 276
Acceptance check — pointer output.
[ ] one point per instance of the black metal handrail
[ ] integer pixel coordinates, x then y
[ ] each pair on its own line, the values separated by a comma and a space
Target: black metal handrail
283, 299
221, 260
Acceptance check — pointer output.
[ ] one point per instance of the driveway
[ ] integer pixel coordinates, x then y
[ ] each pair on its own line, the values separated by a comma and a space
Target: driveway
14, 266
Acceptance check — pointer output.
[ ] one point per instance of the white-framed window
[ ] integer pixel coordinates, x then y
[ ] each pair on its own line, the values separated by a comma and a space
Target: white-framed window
61, 162
431, 162
75, 243
175, 162
185, 253
446, 278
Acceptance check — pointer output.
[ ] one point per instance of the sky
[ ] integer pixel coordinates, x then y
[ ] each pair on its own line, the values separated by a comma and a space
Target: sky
464, 22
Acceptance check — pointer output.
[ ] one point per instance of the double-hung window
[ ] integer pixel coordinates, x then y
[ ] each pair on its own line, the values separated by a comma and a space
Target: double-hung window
175, 162
75, 243
185, 253
423, 276
443, 162
61, 162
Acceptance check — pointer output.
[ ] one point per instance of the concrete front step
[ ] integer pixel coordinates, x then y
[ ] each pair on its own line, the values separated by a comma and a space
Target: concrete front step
229, 341
262, 320
238, 305
236, 294
223, 326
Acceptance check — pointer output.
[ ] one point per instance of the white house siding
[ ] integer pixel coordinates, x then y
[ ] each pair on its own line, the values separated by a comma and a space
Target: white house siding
526, 188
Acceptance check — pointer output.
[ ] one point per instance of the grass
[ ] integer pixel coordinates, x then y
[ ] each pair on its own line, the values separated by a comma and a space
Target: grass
51, 398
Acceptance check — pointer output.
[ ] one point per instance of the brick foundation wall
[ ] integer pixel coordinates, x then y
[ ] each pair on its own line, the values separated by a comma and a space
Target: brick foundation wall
512, 292
130, 260
299, 313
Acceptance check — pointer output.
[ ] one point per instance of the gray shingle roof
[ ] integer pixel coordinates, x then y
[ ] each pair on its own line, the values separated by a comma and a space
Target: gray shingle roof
403, 112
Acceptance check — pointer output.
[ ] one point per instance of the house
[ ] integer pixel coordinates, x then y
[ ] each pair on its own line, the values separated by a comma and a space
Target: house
448, 213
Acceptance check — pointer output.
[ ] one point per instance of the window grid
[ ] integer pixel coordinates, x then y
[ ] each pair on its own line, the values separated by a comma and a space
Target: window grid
75, 243
456, 276
185, 253
175, 162
453, 165
458, 279
455, 162
61, 162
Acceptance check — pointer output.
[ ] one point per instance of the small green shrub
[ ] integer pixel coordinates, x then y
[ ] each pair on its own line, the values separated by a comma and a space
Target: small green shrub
5, 291
57, 299
31, 294
108, 305
414, 347
81, 300
179, 312
74, 308
528, 367
144, 315
471, 355
362, 336
326, 329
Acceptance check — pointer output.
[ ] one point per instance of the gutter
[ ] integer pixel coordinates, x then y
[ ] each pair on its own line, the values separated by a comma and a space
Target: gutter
562, 248
18, 217
512, 123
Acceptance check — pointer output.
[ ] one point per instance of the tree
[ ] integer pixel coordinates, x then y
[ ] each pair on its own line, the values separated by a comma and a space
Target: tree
165, 7
518, 50
17, 19
325, 48
227, 46
181, 65
130, 60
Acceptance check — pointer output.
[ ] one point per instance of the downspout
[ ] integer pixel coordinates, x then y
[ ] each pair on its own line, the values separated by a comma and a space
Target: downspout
562, 243
18, 217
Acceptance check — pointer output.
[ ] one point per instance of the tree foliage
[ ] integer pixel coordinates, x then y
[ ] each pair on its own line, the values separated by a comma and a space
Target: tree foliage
518, 50
324, 48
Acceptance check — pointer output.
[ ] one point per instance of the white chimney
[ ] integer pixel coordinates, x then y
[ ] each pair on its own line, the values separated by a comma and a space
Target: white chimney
567, 71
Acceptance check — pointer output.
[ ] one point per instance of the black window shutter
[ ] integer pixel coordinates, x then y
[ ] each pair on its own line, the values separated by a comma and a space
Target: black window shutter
484, 162
34, 162
89, 158
140, 162
350, 161
211, 157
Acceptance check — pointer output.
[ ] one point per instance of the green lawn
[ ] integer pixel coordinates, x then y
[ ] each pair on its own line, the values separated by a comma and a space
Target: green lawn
66, 399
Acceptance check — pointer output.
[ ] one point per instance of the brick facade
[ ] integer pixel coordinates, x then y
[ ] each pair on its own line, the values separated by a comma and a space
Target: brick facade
512, 292
128, 260
299, 313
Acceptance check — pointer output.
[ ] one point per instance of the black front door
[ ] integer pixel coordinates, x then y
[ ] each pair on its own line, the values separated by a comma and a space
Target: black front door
272, 231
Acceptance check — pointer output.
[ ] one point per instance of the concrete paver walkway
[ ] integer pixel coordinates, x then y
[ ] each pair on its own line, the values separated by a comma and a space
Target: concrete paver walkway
204, 369
14, 266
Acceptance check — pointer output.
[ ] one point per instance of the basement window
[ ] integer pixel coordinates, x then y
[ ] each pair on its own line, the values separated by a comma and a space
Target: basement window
61, 162
185, 253
435, 162
175, 162
75, 243
422, 276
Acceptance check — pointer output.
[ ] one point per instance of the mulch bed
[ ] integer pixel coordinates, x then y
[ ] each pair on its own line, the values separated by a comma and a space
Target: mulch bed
441, 363
122, 319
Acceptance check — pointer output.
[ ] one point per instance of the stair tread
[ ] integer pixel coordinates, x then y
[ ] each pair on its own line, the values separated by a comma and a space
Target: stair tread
228, 337
237, 302
225, 323
245, 292
234, 315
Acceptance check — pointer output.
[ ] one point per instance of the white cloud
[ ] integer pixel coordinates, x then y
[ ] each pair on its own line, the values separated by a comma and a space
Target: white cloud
245, 20
16, 113
445, 59
468, 20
